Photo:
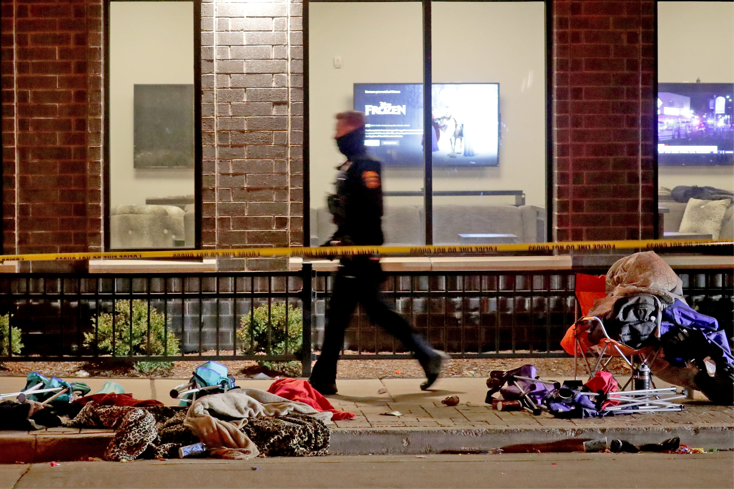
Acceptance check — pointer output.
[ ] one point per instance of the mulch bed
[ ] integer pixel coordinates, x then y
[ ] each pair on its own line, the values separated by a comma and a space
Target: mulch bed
348, 369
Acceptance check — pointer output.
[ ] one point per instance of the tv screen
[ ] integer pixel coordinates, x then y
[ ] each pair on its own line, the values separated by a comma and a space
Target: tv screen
464, 132
695, 123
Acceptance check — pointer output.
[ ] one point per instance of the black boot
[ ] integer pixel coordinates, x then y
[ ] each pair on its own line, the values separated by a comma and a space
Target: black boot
619, 446
432, 368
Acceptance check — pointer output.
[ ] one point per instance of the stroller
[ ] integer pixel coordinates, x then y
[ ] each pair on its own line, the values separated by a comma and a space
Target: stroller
208, 378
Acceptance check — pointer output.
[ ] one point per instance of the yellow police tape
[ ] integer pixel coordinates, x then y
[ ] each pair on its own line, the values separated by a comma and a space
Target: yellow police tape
326, 252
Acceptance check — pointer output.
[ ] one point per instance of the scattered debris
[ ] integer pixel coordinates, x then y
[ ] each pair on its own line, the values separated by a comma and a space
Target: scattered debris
253, 468
467, 451
451, 401
398, 372
54, 464
392, 413
420, 456
686, 449
382, 390
81, 373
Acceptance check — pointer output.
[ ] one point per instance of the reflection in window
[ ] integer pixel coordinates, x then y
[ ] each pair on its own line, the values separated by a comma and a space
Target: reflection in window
151, 125
695, 119
489, 186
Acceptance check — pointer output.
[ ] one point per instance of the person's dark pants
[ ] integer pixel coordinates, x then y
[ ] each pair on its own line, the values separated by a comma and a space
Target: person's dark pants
358, 282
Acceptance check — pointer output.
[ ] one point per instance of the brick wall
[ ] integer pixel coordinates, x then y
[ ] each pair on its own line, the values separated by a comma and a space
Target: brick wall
252, 82
604, 119
51, 125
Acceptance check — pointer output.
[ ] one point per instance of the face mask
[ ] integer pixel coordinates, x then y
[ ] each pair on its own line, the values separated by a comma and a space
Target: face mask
352, 143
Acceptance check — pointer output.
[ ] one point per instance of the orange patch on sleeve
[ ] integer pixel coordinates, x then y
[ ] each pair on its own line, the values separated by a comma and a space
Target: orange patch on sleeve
371, 179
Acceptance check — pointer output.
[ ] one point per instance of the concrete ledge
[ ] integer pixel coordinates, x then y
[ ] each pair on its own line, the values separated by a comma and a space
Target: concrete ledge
416, 441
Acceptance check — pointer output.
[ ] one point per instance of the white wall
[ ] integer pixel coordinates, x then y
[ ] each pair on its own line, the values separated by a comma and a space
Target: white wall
696, 40
150, 43
472, 42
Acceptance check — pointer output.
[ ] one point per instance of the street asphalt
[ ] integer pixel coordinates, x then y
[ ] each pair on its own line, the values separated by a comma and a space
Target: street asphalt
563, 470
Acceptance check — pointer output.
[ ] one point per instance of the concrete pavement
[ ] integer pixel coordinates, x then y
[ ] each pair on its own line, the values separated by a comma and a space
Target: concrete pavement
425, 425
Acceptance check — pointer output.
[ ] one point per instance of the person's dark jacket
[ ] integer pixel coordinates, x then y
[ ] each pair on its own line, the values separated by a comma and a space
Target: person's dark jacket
357, 204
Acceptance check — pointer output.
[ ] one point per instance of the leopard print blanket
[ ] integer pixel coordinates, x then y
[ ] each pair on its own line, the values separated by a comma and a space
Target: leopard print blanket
159, 431
148, 432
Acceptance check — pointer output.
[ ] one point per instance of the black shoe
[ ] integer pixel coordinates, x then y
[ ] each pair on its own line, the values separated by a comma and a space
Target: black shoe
620, 446
325, 389
433, 368
670, 445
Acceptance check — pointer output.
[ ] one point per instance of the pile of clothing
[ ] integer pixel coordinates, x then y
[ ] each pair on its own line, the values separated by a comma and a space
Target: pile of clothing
695, 351
290, 419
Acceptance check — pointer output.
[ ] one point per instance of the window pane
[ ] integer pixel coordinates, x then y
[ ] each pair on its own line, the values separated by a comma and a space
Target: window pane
489, 81
151, 99
368, 57
696, 119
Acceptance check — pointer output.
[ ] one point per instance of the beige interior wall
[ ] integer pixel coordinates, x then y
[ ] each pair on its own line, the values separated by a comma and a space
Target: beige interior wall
502, 42
696, 40
150, 43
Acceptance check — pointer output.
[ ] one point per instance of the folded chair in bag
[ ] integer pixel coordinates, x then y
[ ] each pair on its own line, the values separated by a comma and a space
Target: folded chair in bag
208, 378
520, 384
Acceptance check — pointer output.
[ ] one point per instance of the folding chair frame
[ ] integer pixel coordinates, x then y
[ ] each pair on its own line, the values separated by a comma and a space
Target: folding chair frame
610, 344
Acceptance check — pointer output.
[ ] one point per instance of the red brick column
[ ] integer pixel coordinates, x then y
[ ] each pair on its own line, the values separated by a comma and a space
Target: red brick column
252, 82
52, 126
603, 119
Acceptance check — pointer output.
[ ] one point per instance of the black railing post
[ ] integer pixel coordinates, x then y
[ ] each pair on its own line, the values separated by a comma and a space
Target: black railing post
307, 301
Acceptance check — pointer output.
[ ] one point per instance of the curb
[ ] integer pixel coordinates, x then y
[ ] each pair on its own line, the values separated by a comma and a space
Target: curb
414, 442
44, 447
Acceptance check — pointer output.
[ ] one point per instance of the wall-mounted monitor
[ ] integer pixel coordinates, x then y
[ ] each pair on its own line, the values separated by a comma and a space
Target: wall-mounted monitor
695, 123
464, 132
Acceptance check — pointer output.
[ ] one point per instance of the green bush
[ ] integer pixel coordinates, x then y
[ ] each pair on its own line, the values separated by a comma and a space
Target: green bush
15, 337
252, 335
140, 345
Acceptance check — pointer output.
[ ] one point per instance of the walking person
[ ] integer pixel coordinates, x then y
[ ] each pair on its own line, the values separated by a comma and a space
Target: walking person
357, 211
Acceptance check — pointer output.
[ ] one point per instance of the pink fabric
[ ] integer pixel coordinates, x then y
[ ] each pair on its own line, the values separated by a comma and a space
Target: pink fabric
301, 390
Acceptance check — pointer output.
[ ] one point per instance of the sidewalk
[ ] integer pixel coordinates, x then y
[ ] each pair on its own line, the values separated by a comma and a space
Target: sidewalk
424, 426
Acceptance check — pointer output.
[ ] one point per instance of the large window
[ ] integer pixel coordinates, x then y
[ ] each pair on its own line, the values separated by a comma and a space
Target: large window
695, 110
484, 180
152, 132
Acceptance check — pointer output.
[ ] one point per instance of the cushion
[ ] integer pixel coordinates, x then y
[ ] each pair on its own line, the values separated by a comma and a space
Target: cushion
157, 210
704, 216
727, 225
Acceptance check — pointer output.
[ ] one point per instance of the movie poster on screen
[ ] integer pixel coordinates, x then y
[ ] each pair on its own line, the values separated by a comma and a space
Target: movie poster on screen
464, 129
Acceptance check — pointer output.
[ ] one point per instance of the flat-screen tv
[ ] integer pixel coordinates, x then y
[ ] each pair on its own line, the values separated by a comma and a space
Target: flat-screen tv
464, 132
695, 123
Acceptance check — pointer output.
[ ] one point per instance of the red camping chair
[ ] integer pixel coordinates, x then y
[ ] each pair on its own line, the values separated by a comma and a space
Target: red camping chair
576, 341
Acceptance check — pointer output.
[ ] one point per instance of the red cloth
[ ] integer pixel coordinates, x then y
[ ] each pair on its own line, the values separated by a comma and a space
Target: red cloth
606, 383
301, 390
113, 399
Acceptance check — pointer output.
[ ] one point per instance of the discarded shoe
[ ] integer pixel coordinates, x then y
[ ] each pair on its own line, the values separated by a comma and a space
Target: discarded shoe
669, 445
619, 446
433, 368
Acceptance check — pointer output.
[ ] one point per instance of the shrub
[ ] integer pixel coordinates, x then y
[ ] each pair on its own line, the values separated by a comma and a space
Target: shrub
253, 332
140, 346
14, 337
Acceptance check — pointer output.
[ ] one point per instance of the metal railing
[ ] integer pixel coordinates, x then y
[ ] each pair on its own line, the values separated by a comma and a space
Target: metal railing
280, 316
